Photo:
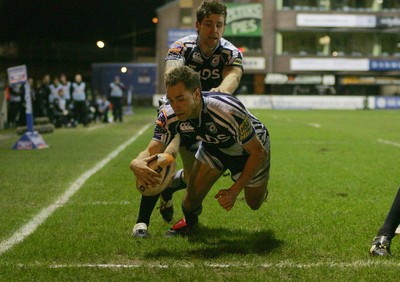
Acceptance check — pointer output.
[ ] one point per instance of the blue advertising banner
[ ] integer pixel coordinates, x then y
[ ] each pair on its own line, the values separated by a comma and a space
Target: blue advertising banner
139, 78
387, 102
175, 34
30, 140
384, 65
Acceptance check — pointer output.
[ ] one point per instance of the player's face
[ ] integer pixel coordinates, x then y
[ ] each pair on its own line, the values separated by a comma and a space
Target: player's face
184, 102
210, 31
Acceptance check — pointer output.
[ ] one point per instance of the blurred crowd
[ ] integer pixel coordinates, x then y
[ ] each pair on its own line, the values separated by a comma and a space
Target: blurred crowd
65, 103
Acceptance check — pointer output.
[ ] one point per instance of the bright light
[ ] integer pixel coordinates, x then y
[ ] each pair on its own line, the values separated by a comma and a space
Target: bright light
154, 20
100, 44
124, 69
325, 40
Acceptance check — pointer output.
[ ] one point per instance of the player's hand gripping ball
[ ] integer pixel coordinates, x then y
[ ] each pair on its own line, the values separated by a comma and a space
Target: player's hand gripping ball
165, 165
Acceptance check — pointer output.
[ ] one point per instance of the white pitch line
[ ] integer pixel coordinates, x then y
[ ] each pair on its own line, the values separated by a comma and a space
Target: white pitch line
388, 142
97, 126
316, 125
279, 265
105, 203
42, 216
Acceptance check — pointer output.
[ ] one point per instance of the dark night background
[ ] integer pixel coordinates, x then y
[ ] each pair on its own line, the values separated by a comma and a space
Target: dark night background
54, 36
85, 21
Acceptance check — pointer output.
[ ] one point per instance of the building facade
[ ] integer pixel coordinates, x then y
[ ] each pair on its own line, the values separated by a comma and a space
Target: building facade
307, 47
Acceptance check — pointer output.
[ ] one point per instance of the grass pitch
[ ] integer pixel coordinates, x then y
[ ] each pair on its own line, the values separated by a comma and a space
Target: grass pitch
333, 177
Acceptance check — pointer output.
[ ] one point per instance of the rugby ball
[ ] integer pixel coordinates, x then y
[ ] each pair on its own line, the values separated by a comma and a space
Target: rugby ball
165, 165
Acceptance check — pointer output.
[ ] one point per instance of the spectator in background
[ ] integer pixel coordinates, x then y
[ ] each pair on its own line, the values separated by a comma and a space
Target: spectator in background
66, 85
54, 87
61, 114
116, 94
102, 108
39, 103
45, 91
16, 92
78, 92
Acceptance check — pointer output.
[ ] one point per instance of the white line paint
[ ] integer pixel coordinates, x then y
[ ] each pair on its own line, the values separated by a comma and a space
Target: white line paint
42, 216
388, 142
316, 125
105, 203
98, 126
279, 265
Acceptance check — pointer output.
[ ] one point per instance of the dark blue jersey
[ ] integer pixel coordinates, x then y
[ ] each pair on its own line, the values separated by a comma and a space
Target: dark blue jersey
224, 124
210, 68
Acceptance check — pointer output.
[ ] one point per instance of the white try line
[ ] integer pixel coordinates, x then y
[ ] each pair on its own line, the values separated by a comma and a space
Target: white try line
277, 265
388, 142
316, 125
42, 216
97, 126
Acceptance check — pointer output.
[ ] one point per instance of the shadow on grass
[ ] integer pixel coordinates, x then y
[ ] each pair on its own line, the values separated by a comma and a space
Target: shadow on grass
219, 242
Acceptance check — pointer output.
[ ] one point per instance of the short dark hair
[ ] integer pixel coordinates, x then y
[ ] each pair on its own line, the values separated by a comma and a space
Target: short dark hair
212, 7
184, 74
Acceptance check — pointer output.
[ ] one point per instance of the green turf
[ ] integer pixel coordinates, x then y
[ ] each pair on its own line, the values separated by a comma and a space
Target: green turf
332, 183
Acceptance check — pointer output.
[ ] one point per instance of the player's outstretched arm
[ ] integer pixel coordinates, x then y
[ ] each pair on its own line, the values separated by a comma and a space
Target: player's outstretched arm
257, 156
230, 83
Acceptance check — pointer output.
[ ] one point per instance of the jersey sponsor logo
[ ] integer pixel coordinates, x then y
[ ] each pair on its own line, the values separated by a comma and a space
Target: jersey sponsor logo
185, 127
211, 127
215, 60
207, 73
220, 138
245, 129
197, 57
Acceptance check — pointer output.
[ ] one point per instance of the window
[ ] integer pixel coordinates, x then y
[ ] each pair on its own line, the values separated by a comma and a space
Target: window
390, 44
361, 44
330, 44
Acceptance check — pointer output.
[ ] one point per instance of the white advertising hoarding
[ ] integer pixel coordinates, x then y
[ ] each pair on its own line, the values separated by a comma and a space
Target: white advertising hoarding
253, 63
303, 102
297, 102
319, 20
328, 64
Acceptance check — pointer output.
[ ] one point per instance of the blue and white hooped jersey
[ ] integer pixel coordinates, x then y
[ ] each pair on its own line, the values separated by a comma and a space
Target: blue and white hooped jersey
224, 124
210, 68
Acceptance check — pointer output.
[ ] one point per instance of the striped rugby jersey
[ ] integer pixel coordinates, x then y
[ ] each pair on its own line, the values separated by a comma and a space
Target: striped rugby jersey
224, 124
210, 68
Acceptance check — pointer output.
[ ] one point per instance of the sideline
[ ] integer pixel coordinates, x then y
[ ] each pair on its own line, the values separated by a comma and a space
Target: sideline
278, 265
45, 213
388, 142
